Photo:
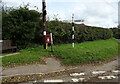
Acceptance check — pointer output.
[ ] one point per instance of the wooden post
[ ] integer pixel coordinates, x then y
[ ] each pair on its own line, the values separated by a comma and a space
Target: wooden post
44, 23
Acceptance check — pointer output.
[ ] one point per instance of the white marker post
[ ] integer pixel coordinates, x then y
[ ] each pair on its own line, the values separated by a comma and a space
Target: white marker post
73, 29
73, 37
51, 38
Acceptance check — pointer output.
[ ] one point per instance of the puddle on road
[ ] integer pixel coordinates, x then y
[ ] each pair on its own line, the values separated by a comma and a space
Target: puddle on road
75, 80
77, 74
98, 72
116, 71
107, 77
49, 81
78, 79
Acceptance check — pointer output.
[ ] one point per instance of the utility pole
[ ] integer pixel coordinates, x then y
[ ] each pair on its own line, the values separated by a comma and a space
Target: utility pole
44, 22
73, 37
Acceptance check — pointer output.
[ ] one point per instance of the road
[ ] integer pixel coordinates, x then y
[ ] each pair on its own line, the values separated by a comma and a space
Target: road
98, 72
86, 71
89, 73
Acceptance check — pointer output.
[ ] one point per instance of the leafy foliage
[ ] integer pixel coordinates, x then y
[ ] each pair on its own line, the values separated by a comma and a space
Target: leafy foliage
62, 32
25, 26
19, 25
116, 32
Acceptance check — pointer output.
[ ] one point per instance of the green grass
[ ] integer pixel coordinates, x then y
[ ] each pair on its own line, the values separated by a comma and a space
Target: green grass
30, 55
87, 52
82, 53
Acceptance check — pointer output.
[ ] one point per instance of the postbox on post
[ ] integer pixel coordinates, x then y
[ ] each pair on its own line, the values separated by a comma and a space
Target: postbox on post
47, 38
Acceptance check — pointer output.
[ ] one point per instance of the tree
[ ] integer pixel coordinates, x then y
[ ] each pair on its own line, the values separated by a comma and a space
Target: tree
116, 32
19, 25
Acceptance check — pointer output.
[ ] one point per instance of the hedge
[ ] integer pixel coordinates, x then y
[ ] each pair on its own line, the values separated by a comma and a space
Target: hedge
24, 26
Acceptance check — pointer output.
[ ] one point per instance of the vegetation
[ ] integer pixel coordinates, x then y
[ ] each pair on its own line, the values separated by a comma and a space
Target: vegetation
82, 53
87, 52
19, 25
116, 32
30, 55
88, 33
24, 26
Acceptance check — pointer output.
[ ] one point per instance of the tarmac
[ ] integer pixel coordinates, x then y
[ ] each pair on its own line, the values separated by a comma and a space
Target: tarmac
51, 65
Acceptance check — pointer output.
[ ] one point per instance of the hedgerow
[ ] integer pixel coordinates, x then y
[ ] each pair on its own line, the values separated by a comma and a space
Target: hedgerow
24, 26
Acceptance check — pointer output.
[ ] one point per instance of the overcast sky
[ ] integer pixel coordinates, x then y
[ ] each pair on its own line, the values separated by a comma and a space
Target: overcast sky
101, 13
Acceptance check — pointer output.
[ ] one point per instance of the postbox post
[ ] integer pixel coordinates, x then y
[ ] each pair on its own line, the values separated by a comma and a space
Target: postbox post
51, 42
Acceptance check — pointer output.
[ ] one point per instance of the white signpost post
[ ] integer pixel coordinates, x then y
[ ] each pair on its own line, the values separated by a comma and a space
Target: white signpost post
73, 28
73, 37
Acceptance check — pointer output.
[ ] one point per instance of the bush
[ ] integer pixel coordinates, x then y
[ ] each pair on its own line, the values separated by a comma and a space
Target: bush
19, 25
116, 33
24, 26
62, 32
88, 33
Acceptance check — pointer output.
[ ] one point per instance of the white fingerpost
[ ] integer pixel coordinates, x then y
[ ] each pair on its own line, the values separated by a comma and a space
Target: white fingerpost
72, 28
73, 37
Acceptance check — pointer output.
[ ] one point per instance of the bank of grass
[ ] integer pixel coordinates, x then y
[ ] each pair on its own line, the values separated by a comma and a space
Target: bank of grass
30, 55
82, 53
87, 52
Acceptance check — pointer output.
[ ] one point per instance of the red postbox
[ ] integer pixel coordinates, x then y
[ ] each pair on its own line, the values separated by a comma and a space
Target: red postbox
47, 38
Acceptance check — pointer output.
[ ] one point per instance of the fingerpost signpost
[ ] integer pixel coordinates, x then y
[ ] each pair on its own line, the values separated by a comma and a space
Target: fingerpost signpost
73, 28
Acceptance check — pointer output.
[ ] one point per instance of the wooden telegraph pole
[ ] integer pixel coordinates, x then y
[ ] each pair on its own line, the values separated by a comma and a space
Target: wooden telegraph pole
44, 22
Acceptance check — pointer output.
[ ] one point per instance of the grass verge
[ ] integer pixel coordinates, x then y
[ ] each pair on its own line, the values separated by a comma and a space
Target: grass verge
87, 52
30, 55
82, 53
